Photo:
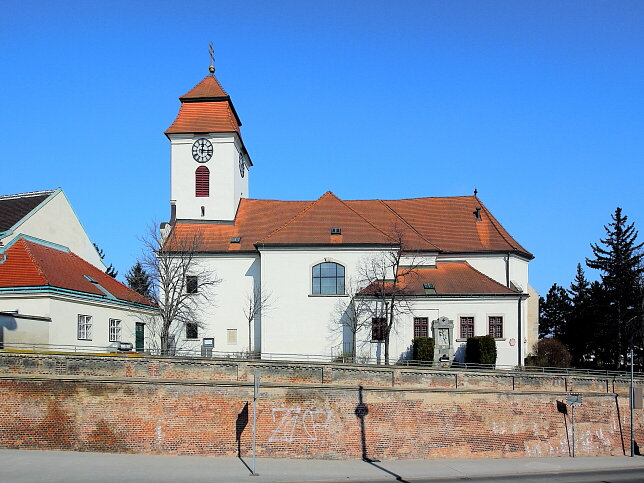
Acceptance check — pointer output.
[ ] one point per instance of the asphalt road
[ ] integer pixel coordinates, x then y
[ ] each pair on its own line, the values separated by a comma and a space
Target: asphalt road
21, 466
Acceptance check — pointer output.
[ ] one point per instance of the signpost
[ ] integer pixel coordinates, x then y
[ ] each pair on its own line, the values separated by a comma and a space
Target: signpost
573, 400
255, 394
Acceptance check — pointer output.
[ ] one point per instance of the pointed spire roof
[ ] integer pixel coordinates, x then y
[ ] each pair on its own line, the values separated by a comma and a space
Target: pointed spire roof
206, 108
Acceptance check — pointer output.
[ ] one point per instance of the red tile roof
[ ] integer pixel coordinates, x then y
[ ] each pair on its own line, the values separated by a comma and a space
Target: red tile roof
449, 278
206, 108
427, 224
28, 263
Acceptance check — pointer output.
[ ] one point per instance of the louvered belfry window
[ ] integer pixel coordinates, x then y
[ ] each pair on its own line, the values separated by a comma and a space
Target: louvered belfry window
202, 182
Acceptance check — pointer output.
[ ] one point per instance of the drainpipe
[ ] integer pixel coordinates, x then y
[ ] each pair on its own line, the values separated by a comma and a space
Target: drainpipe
520, 335
507, 271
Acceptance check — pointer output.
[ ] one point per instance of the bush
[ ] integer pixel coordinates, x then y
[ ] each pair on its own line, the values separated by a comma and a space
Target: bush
549, 352
423, 349
480, 350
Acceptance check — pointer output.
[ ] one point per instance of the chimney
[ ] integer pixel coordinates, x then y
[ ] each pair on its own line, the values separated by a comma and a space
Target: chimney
477, 213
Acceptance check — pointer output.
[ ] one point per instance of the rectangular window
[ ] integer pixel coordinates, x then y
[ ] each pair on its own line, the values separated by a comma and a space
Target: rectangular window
191, 284
421, 327
115, 330
496, 326
467, 327
192, 331
378, 326
232, 336
84, 327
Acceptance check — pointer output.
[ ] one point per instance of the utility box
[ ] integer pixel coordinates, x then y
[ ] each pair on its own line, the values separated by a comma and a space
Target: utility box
207, 345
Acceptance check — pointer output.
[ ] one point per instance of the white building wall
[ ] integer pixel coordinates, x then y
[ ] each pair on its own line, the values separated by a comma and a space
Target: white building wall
63, 311
300, 322
453, 308
226, 183
222, 307
495, 266
56, 222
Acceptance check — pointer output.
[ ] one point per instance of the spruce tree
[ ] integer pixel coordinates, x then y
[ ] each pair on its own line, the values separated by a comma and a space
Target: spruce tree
554, 312
619, 259
581, 323
139, 280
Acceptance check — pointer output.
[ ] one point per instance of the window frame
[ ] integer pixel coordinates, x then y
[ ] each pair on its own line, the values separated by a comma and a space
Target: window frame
340, 288
498, 326
189, 279
378, 327
202, 182
422, 324
84, 327
192, 326
115, 330
463, 323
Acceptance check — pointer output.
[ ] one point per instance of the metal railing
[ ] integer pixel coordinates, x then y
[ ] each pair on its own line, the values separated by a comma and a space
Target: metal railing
307, 358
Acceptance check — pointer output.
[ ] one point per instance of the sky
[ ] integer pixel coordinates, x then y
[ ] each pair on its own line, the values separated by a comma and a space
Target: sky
539, 105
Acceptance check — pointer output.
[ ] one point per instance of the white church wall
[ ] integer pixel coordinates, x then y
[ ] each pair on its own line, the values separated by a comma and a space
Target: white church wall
301, 322
495, 266
56, 222
223, 308
453, 308
22, 330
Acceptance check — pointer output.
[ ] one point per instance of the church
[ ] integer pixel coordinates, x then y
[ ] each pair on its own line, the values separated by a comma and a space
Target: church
308, 257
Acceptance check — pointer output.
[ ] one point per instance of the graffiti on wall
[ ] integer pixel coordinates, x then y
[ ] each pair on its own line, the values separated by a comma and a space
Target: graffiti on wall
297, 424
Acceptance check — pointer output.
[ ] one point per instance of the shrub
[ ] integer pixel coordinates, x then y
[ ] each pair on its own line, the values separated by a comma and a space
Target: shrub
423, 348
549, 352
480, 350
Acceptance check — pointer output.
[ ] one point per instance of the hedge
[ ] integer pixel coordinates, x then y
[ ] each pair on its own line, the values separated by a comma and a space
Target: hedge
480, 350
423, 348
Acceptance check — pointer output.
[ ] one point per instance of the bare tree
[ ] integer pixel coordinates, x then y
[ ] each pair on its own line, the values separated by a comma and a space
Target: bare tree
350, 315
386, 278
257, 302
180, 284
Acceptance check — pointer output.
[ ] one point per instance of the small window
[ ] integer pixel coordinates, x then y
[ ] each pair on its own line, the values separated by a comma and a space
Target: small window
192, 284
328, 279
467, 327
202, 182
496, 326
115, 330
84, 327
232, 336
378, 326
192, 331
421, 327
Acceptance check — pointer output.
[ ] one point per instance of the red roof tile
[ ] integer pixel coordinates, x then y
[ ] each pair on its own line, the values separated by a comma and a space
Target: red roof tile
31, 264
204, 117
449, 278
426, 224
209, 87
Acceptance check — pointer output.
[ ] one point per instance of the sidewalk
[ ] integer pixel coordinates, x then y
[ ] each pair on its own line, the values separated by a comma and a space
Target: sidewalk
67, 466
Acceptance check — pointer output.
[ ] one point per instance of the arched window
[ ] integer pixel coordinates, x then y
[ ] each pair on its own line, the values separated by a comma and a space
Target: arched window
328, 279
202, 182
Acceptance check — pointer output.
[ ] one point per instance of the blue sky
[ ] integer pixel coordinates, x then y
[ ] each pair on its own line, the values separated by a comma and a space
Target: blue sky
537, 104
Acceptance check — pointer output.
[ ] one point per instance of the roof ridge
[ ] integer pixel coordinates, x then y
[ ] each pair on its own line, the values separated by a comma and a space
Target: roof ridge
484, 275
359, 215
31, 256
409, 225
27, 194
492, 221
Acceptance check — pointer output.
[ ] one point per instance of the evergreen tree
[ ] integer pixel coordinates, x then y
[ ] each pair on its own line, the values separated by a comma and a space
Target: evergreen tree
554, 312
619, 258
111, 271
581, 323
139, 280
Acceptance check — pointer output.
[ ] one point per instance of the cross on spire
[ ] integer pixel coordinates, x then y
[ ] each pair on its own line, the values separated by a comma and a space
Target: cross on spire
211, 68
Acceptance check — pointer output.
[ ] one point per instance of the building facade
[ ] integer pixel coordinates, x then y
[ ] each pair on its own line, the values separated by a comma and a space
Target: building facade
309, 258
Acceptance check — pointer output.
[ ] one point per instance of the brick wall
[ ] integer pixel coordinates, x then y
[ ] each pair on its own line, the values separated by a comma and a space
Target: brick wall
304, 410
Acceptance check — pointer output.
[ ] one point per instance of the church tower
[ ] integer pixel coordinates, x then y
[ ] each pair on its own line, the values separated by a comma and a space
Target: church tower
208, 160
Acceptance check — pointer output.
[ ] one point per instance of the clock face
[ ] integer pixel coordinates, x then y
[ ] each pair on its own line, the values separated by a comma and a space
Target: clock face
202, 150
242, 166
